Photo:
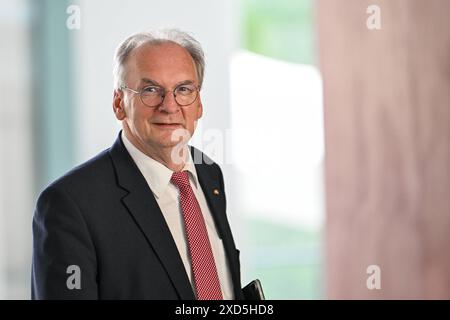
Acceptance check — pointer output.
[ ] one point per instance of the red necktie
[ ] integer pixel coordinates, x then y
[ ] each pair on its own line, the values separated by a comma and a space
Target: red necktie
203, 266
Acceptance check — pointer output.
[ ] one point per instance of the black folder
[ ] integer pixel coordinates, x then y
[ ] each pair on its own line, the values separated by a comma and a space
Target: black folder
253, 291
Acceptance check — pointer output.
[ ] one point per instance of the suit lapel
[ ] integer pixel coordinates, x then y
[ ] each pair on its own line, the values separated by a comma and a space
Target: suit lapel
210, 182
145, 210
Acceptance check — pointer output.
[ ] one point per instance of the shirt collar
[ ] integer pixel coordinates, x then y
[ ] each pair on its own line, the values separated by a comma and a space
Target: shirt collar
155, 173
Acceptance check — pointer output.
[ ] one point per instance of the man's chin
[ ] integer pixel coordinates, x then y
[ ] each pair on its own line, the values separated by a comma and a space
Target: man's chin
177, 150
167, 143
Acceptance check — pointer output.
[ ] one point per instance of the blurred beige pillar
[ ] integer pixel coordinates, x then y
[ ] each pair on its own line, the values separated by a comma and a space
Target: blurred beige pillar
387, 122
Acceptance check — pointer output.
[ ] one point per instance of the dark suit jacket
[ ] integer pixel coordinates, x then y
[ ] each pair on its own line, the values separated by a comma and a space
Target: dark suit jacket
103, 217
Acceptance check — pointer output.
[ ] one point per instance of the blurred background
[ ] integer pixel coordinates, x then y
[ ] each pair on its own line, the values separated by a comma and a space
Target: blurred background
57, 82
333, 137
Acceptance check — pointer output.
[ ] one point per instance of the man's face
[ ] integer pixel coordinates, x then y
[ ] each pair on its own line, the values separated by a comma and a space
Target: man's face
166, 65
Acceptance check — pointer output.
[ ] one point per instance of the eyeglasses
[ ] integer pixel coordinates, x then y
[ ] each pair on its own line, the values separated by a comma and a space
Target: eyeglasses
153, 96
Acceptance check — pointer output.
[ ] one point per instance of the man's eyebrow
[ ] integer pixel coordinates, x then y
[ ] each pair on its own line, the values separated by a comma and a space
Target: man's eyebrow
155, 83
150, 81
184, 82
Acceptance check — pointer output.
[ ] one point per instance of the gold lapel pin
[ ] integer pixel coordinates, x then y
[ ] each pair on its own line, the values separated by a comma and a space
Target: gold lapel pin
216, 192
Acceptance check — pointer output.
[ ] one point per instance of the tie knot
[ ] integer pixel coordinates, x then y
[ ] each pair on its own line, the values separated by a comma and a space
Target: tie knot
180, 179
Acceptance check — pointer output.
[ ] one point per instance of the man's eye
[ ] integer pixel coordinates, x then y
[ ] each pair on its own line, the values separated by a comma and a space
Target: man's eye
151, 90
185, 89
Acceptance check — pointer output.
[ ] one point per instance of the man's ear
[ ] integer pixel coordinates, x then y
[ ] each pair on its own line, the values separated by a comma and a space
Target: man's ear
118, 104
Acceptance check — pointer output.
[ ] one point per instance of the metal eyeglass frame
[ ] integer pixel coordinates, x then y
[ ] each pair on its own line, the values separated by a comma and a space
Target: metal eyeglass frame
197, 89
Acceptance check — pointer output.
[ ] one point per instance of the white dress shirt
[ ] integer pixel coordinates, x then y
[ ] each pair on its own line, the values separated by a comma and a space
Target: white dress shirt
167, 196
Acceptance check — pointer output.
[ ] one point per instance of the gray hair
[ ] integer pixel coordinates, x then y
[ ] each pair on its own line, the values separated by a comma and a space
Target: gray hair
157, 37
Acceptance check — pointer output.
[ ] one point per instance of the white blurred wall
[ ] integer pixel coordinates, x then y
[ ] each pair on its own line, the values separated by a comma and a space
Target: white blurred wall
16, 158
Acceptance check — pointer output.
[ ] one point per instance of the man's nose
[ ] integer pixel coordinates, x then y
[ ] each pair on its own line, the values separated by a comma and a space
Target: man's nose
169, 103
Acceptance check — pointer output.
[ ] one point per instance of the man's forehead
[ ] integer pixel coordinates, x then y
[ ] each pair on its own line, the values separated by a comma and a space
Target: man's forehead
161, 57
160, 51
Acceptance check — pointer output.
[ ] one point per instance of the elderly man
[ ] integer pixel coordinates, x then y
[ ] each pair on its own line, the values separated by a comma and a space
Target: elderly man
146, 218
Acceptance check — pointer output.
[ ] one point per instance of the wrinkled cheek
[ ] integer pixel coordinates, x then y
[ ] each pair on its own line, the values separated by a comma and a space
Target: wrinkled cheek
148, 128
143, 125
191, 128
